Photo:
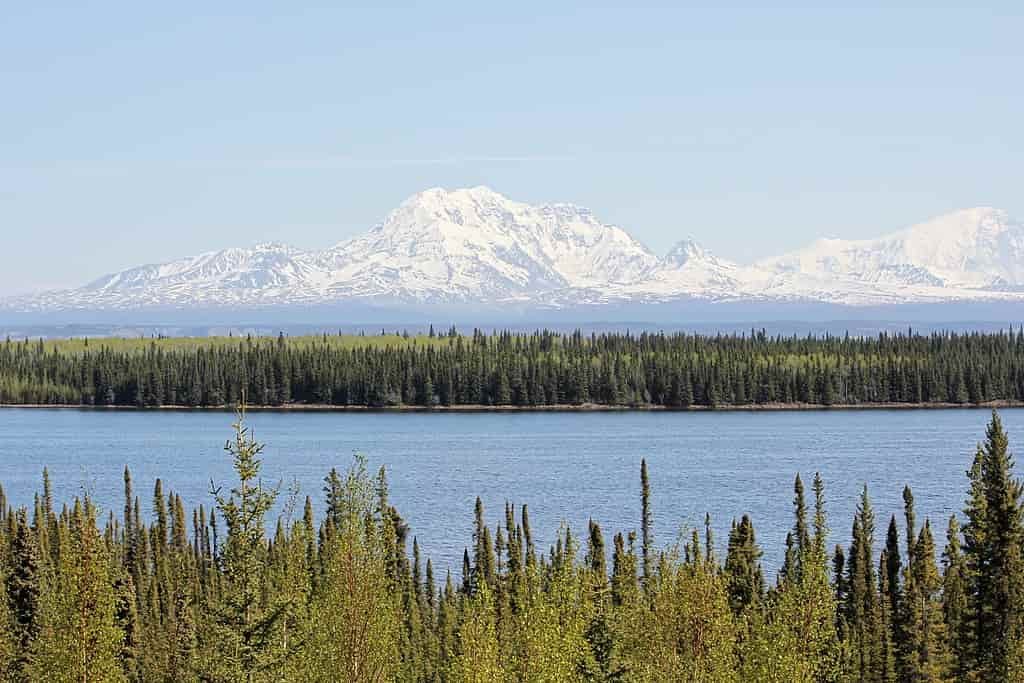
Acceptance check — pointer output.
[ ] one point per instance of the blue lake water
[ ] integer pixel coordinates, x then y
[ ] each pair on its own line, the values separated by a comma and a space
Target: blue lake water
565, 466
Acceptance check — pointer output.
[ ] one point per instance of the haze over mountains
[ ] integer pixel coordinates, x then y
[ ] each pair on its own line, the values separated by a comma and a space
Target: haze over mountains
475, 247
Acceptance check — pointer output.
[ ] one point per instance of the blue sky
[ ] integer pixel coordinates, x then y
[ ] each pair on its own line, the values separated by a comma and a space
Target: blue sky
139, 132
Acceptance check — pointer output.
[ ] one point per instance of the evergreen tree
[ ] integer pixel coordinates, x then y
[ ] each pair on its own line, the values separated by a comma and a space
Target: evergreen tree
596, 554
893, 565
8, 643
884, 663
126, 616
624, 571
23, 586
927, 657
955, 600
805, 604
241, 623
800, 530
862, 615
483, 550
992, 549
910, 517
744, 577
647, 532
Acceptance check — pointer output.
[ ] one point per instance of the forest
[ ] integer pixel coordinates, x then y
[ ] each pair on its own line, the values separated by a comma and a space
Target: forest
223, 593
519, 370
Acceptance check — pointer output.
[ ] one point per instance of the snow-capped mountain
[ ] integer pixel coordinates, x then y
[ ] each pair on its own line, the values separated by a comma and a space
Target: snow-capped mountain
967, 254
690, 269
264, 266
475, 246
974, 248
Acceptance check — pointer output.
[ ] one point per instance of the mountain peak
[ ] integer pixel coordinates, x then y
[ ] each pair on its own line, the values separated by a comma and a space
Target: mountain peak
473, 243
686, 250
440, 195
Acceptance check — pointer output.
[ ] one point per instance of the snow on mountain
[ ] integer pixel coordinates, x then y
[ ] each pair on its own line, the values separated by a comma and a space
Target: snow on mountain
689, 269
687, 251
466, 245
265, 273
973, 249
265, 265
476, 246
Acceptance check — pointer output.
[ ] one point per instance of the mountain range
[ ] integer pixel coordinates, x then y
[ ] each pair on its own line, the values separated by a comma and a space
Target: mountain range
476, 247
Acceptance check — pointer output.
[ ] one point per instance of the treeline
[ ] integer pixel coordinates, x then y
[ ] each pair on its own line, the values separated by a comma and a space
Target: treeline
212, 596
523, 370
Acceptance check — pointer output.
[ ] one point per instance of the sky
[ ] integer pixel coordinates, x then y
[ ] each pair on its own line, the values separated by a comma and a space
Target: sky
134, 133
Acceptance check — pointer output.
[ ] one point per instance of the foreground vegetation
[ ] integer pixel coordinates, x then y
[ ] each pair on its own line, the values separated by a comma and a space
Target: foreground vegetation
521, 370
213, 596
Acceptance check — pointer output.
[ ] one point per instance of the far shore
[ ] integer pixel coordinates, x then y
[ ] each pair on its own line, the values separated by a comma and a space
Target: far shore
559, 408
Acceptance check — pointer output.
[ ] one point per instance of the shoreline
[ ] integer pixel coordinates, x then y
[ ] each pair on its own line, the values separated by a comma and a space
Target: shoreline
560, 408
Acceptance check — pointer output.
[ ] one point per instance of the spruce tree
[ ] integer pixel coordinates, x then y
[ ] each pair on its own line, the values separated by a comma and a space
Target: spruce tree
801, 534
910, 517
927, 657
126, 616
646, 530
893, 594
595, 558
744, 577
884, 664
839, 583
806, 604
992, 549
241, 622
862, 616
955, 587
624, 571
484, 561
8, 642
23, 587
893, 565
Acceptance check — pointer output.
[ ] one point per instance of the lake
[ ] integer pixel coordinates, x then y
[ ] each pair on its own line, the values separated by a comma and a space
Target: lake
566, 466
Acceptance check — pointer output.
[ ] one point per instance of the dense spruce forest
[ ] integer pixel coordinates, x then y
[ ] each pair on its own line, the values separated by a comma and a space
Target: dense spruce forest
217, 595
518, 370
